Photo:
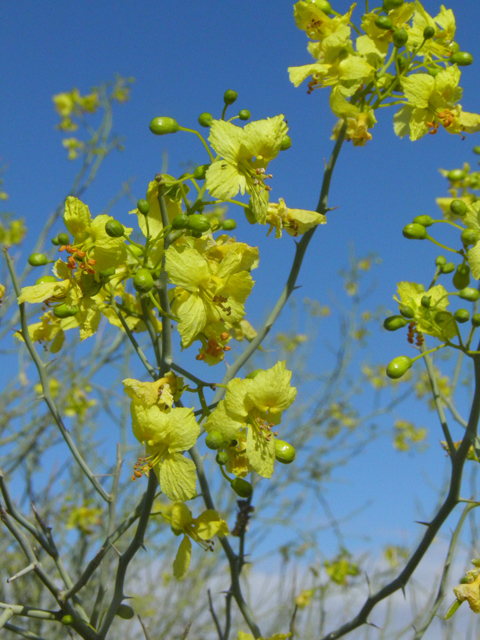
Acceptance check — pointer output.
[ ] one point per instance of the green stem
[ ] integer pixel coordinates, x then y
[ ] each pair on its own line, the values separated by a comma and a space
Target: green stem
167, 358
202, 140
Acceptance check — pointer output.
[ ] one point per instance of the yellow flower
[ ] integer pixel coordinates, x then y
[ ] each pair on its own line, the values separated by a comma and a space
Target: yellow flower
470, 590
74, 147
434, 320
201, 530
294, 221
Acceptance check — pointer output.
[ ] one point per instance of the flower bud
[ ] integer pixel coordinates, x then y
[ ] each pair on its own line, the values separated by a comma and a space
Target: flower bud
244, 114
222, 458
393, 323
461, 279
229, 225
470, 237
455, 175
106, 273
214, 440
198, 222
383, 22
458, 207
125, 612
388, 5
400, 38
286, 143
67, 620
476, 320
414, 231
143, 281
63, 238
65, 311
323, 5
440, 261
37, 260
180, 221
55, 241
45, 279
426, 302
144, 207
284, 452
406, 311
428, 32
200, 172
163, 125
425, 221
230, 96
469, 293
205, 119
476, 150
398, 367
461, 315
448, 268
462, 59
242, 488
114, 229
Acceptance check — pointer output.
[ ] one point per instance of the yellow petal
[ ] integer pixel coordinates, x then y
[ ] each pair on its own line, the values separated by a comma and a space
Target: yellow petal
182, 559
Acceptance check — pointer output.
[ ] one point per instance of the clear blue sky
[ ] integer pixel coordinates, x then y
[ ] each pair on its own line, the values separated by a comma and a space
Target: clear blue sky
184, 55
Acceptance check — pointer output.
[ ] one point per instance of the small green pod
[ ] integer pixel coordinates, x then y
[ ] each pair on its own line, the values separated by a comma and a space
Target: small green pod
476, 320
406, 311
242, 488
462, 58
284, 452
393, 323
65, 311
37, 260
143, 281
398, 367
144, 207
455, 175
229, 225
198, 222
400, 38
470, 237
244, 114
428, 32
425, 221
448, 268
45, 279
114, 229
384, 22
458, 207
461, 279
461, 315
205, 120
426, 301
389, 5
469, 293
162, 125
125, 612
201, 171
414, 231
63, 238
180, 221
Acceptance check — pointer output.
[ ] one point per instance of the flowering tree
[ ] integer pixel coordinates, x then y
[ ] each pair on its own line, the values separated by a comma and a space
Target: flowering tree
179, 269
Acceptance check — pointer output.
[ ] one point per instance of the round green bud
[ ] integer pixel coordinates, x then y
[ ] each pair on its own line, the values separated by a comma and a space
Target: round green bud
454, 47
114, 229
476, 320
180, 221
242, 488
462, 58
65, 311
458, 207
426, 302
214, 440
425, 221
398, 367
229, 225
200, 172
383, 22
415, 231
284, 452
143, 281
440, 261
388, 5
476, 150
461, 279
37, 260
469, 293
137, 251
244, 114
144, 207
196, 234
434, 71
230, 96
461, 315
286, 143
470, 236
250, 216
400, 38
455, 175
222, 458
67, 620
55, 241
448, 268
163, 125
205, 120
198, 222
393, 323
125, 612
63, 238
406, 311
106, 273
428, 32
45, 279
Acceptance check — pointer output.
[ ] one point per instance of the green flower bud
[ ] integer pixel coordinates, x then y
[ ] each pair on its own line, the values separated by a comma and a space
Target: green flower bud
214, 440
65, 311
393, 323
425, 221
388, 5
196, 234
448, 268
398, 367
230, 96
200, 172
426, 302
143, 281
106, 273
67, 620
244, 114
144, 207
469, 293
180, 221
242, 488
476, 150
114, 229
428, 32
440, 261
476, 320
125, 612
414, 231
462, 58
461, 315
45, 279
383, 22
198, 222
229, 225
406, 311
434, 71
284, 452
470, 236
461, 279
455, 175
63, 238
205, 120
458, 207
222, 458
163, 125
323, 5
400, 38
286, 143
37, 260
55, 241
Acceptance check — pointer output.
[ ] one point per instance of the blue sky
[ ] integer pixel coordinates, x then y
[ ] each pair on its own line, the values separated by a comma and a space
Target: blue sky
183, 57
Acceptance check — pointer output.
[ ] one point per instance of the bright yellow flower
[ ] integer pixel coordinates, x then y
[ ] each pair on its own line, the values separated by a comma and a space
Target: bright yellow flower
470, 590
294, 221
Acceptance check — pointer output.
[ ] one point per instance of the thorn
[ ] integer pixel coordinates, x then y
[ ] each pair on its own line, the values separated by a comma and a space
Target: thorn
31, 567
372, 624
403, 591
116, 550
426, 524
